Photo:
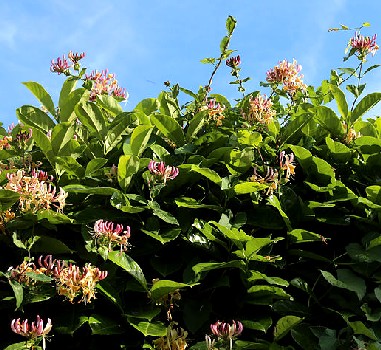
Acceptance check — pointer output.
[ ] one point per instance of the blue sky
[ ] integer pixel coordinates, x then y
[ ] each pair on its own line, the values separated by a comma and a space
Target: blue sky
147, 42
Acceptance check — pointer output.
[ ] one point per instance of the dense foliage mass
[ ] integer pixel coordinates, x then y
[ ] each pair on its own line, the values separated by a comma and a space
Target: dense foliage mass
200, 226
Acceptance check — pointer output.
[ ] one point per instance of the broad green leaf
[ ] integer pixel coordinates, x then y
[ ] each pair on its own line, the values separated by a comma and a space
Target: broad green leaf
205, 267
259, 325
67, 87
327, 118
257, 276
168, 105
230, 24
7, 199
249, 138
67, 103
164, 236
19, 346
341, 102
94, 165
359, 327
50, 245
153, 329
42, 141
274, 201
128, 264
162, 214
70, 166
373, 193
91, 116
53, 217
139, 139
294, 126
18, 291
122, 125
104, 325
147, 106
367, 102
128, 166
259, 291
302, 236
208, 173
42, 95
39, 277
187, 202
284, 325
121, 202
346, 280
338, 150
169, 127
35, 118
78, 188
62, 133
249, 187
195, 125
162, 288
110, 103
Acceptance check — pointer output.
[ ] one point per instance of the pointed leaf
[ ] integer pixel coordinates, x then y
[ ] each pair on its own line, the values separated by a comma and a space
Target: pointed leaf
42, 95
284, 325
195, 125
35, 118
68, 103
7, 199
128, 264
365, 105
91, 116
208, 173
169, 127
162, 288
153, 329
139, 139
62, 133
341, 102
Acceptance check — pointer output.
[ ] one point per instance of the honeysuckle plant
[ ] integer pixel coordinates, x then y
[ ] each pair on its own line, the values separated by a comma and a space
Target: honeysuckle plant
139, 229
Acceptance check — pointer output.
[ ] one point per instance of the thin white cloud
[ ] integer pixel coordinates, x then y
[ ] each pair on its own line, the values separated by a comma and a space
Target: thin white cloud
8, 31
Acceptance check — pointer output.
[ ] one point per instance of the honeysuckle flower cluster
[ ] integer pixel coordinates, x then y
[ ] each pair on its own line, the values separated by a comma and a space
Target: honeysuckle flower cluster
215, 111
105, 83
233, 62
174, 340
162, 172
73, 281
33, 330
271, 179
62, 65
288, 74
225, 333
35, 194
5, 142
363, 45
109, 234
260, 110
286, 163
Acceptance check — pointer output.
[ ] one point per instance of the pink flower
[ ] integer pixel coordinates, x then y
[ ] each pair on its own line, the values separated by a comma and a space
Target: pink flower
364, 45
286, 162
112, 234
261, 110
233, 62
75, 57
161, 171
227, 331
61, 66
33, 330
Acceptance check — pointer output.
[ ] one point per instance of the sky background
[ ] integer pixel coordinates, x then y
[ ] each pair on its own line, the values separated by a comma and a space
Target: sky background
147, 42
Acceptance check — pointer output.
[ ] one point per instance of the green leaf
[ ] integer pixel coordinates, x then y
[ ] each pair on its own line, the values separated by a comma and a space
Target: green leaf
187, 202
38, 277
205, 267
367, 102
94, 166
53, 217
208, 173
18, 346
274, 201
43, 142
360, 328
162, 288
7, 199
139, 139
121, 125
195, 125
67, 103
259, 325
327, 118
249, 138
169, 127
62, 133
35, 118
284, 325
147, 106
341, 102
77, 188
91, 116
42, 95
50, 245
168, 105
162, 214
230, 24
104, 326
302, 236
128, 264
18, 291
224, 44
128, 166
109, 103
259, 291
249, 187
164, 236
153, 329
338, 150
